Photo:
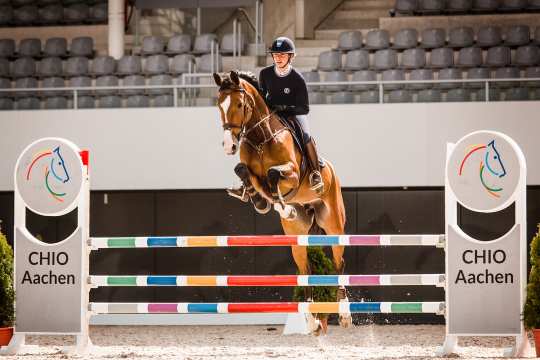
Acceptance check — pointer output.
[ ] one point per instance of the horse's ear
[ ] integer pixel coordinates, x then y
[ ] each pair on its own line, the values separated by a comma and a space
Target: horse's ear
234, 77
218, 79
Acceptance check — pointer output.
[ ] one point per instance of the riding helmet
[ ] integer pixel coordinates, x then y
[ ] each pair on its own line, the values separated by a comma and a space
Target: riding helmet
282, 45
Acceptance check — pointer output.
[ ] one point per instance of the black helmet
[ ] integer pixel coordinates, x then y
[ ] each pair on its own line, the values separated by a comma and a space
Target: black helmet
282, 45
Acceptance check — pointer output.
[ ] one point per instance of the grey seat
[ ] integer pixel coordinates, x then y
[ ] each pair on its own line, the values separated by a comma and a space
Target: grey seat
51, 14
6, 104
477, 73
350, 40
363, 75
460, 37
7, 48
26, 83
156, 64
210, 64
450, 74
311, 77
6, 15
163, 79
179, 44
106, 80
203, 43
429, 95
329, 60
498, 56
129, 65
111, 101
55, 47
82, 46
413, 58
50, 66
405, 39
228, 43
152, 45
103, 65
506, 73
489, 36
25, 15
393, 75
56, 102
517, 35
28, 103
133, 80
5, 83
441, 58
183, 63
4, 68
512, 5
377, 39
369, 97
458, 95
342, 97
385, 59
356, 60
30, 47
537, 35
81, 81
99, 13
420, 75
494, 94
433, 38
335, 76
23, 67
459, 6
528, 55
316, 97
163, 101
485, 5
533, 4
46, 2
406, 7
21, 2
532, 73
470, 57
137, 101
431, 6
517, 94
76, 66
400, 96
76, 13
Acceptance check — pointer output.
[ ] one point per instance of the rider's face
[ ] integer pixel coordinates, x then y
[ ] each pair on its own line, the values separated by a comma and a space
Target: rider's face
281, 59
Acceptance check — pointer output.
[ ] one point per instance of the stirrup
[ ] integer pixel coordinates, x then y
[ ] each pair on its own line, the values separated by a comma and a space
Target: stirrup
239, 193
318, 186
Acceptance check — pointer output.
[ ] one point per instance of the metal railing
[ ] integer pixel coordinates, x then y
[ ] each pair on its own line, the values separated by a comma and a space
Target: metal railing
186, 93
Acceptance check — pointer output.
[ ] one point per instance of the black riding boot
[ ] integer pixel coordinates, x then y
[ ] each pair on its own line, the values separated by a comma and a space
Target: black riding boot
315, 178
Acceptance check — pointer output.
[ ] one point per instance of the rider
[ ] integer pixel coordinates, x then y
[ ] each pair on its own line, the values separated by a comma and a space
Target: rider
285, 92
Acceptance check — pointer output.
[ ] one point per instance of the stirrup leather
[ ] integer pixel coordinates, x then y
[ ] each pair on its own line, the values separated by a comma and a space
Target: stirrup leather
317, 186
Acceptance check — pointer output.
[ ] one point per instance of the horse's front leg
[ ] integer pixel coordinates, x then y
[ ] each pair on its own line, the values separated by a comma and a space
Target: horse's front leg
284, 176
261, 205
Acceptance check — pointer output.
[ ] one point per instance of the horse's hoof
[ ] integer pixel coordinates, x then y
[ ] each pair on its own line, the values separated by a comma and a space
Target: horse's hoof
262, 207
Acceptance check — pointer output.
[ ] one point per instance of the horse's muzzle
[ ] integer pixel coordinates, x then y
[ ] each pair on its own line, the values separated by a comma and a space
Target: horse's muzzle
230, 143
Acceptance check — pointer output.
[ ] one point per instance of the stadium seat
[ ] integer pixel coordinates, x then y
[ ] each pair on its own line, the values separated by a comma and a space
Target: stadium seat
385, 59
349, 40
413, 58
82, 46
356, 60
498, 56
110, 101
311, 77
377, 39
25, 15
163, 79
133, 80
532, 73
152, 45
30, 47
23, 67
25, 83
405, 39
342, 97
6, 15
506, 73
77, 66
55, 47
156, 64
6, 104
184, 63
103, 65
393, 75
517, 94
420, 75
203, 43
81, 81
489, 36
28, 103
51, 14
450, 74
363, 75
56, 102
76, 13
431, 7
227, 44
399, 96
517, 35
406, 7
433, 38
429, 95
329, 60
179, 44
477, 73
7, 48
137, 101
99, 13
334, 76
369, 97
163, 101
4, 68
205, 64
50, 66
528, 55
106, 80
458, 95
316, 97
470, 57
460, 37
512, 5
129, 65
485, 5
441, 58
459, 6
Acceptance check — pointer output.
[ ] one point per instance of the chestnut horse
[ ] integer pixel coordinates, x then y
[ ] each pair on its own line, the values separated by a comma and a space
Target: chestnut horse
272, 171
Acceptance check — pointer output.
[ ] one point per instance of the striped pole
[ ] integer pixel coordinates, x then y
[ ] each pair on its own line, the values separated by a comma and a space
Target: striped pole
268, 307
266, 240
268, 280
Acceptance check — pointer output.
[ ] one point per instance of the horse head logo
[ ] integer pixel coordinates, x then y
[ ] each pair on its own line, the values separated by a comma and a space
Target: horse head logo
491, 165
55, 167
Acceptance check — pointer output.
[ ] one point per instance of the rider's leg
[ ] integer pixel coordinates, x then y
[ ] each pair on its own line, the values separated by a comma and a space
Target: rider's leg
315, 177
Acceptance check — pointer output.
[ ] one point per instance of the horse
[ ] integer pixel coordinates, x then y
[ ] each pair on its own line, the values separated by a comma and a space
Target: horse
273, 173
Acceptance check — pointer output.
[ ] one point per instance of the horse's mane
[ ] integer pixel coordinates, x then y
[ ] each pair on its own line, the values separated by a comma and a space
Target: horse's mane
245, 75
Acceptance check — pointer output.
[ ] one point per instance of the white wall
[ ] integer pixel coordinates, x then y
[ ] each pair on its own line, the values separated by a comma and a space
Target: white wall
370, 145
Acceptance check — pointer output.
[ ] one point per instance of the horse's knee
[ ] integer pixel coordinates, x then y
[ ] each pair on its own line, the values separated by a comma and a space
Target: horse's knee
241, 170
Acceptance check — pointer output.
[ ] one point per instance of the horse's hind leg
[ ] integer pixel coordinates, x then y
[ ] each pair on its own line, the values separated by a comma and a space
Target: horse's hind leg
261, 205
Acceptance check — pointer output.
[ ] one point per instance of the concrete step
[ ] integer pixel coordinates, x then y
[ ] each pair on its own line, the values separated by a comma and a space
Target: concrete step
348, 24
367, 4
245, 63
333, 34
312, 51
306, 62
367, 14
315, 43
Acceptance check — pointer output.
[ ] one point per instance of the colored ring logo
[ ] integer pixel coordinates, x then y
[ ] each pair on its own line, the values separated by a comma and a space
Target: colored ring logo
55, 167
